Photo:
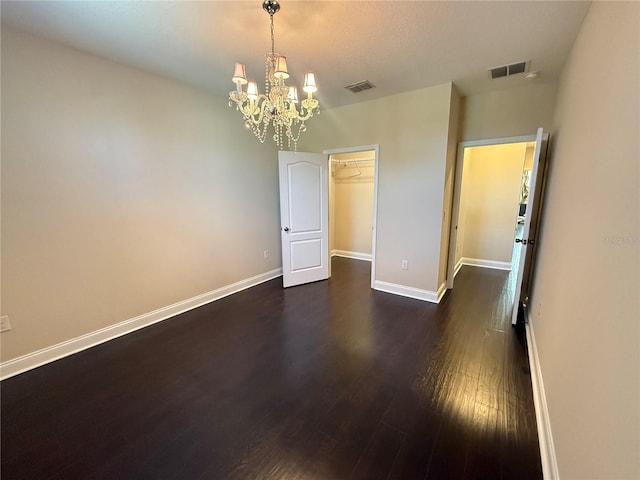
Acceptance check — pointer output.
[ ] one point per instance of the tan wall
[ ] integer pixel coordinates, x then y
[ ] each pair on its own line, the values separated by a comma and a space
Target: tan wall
122, 192
354, 208
332, 214
586, 305
528, 157
412, 130
467, 152
491, 186
508, 113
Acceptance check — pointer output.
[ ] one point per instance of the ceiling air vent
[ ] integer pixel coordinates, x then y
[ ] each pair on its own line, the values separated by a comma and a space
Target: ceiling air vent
507, 70
360, 86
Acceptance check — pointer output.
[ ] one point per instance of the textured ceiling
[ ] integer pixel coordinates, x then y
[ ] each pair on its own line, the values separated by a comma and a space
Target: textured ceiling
397, 45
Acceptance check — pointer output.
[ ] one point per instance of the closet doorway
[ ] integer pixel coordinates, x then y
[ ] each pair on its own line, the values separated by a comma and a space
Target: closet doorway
352, 203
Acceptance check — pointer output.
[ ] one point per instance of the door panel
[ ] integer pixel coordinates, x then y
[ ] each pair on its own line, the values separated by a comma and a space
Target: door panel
304, 187
304, 216
306, 254
530, 230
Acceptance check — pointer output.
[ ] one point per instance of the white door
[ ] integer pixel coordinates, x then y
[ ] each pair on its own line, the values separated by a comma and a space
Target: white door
530, 228
304, 217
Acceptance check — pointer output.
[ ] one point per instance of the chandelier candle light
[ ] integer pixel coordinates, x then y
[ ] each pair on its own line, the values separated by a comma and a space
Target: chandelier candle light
278, 105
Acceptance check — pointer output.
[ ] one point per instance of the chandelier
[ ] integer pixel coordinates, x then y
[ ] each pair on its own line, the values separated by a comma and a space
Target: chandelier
278, 106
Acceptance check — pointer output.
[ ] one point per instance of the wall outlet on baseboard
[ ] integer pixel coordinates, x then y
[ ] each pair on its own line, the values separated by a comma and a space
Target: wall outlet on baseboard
404, 265
4, 323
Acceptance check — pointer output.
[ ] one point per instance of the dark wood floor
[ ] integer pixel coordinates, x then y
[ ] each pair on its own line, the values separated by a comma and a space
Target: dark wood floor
330, 380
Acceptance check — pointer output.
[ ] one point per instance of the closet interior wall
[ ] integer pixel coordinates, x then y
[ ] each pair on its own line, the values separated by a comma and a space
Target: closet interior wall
351, 204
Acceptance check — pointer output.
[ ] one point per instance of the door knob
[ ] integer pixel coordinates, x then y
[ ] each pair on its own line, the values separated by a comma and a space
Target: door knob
286, 229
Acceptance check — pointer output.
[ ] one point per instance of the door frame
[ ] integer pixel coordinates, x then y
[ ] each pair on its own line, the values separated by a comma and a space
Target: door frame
455, 212
361, 148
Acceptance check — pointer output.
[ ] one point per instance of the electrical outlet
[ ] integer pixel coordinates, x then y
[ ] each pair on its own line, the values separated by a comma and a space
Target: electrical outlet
404, 265
265, 254
4, 323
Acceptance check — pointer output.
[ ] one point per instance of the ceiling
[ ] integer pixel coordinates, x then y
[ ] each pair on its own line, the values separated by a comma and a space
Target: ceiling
397, 45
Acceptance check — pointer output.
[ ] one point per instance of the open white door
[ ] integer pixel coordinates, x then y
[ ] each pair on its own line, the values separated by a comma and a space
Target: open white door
304, 217
530, 228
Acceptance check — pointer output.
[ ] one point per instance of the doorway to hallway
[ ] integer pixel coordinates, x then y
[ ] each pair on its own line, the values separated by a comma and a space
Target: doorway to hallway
496, 208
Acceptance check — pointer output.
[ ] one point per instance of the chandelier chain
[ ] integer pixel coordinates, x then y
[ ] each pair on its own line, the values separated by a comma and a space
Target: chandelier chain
273, 42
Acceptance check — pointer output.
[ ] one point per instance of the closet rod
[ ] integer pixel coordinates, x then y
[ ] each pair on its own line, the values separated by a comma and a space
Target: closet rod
353, 160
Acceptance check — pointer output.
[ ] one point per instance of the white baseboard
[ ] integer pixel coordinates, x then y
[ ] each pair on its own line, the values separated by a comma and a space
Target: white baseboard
457, 268
545, 436
49, 354
411, 292
479, 262
347, 254
441, 291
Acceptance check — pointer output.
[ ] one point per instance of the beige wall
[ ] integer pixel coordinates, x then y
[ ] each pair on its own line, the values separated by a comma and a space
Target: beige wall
412, 130
491, 189
462, 207
122, 192
353, 212
528, 157
585, 305
508, 113
332, 213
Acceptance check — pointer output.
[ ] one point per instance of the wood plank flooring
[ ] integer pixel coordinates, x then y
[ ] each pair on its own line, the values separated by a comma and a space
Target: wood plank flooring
330, 380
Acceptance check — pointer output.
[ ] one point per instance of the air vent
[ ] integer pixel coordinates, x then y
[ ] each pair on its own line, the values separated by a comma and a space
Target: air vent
498, 72
360, 86
507, 70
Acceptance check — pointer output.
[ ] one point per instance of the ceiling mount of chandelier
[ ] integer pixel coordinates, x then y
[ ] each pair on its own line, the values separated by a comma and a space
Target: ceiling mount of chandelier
278, 105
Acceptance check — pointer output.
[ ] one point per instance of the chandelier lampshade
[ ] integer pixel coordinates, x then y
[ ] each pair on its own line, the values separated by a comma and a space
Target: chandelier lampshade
293, 94
278, 108
281, 68
310, 83
252, 91
239, 75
